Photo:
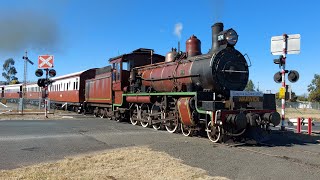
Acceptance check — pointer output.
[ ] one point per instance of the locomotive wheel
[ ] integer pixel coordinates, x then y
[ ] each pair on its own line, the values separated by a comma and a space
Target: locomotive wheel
156, 126
214, 133
121, 117
144, 124
145, 115
159, 125
186, 130
134, 115
155, 108
101, 113
172, 125
96, 112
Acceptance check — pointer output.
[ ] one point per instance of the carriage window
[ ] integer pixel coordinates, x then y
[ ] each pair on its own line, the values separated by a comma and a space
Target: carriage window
76, 88
67, 86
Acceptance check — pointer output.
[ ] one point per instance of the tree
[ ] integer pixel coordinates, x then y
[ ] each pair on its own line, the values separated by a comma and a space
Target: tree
294, 97
250, 86
302, 98
9, 71
15, 81
314, 88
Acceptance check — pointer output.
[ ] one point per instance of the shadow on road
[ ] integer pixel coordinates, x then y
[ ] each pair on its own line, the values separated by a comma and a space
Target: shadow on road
289, 138
283, 138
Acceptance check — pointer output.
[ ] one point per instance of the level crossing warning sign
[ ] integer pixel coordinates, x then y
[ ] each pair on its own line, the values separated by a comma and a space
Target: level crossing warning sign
45, 61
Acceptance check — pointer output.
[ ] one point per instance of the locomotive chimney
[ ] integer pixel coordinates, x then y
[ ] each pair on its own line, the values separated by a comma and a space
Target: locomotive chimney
216, 29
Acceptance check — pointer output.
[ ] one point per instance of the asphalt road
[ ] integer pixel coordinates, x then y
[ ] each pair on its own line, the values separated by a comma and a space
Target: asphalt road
286, 156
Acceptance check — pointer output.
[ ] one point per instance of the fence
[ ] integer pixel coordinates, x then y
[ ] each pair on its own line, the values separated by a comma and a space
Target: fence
300, 105
16, 104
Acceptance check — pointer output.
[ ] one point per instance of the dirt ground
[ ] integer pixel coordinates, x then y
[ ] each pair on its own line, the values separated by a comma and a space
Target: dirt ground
124, 163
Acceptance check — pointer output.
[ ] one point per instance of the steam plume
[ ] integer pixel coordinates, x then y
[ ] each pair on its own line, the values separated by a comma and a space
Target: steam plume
218, 9
19, 31
178, 30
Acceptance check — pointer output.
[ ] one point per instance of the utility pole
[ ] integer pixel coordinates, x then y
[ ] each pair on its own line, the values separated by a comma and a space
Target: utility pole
25, 73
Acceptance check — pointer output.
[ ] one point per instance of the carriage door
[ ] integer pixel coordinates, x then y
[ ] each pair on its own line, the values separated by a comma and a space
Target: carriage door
116, 75
116, 81
20, 92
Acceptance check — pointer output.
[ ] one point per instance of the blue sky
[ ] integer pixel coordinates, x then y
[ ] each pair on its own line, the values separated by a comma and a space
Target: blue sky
84, 34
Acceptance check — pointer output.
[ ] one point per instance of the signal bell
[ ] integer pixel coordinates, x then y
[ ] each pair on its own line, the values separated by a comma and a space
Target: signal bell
293, 76
277, 77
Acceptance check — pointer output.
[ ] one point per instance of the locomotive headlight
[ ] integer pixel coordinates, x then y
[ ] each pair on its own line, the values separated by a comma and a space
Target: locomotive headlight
231, 36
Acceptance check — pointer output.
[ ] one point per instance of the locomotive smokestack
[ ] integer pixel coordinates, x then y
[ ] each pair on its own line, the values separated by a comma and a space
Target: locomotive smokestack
216, 29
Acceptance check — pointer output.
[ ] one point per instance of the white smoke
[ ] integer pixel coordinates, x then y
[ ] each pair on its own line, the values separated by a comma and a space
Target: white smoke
178, 30
218, 9
21, 30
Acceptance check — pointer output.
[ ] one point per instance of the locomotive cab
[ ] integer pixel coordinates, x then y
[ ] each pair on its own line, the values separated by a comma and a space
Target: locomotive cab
123, 64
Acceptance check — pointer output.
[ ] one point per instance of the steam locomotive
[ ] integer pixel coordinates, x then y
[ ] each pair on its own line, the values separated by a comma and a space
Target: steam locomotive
186, 91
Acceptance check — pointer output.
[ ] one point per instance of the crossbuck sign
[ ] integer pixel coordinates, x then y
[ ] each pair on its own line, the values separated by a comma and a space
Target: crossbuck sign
45, 61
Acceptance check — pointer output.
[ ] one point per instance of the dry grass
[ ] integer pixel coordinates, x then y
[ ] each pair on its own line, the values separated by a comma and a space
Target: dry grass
125, 163
306, 113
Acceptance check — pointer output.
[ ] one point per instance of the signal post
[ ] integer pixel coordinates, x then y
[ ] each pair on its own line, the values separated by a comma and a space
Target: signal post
283, 45
283, 77
45, 62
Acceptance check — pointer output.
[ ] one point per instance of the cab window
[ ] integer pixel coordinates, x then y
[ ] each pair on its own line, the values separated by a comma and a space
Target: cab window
116, 72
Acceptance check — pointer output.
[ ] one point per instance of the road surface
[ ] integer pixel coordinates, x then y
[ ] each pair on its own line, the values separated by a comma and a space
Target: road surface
286, 156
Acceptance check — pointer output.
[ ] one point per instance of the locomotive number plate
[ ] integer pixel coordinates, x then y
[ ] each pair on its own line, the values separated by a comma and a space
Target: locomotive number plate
247, 99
